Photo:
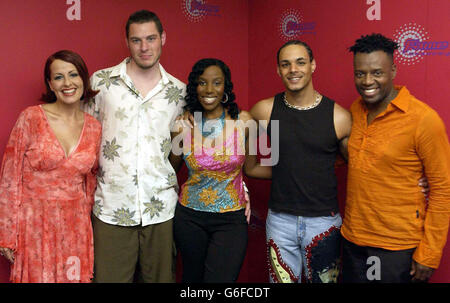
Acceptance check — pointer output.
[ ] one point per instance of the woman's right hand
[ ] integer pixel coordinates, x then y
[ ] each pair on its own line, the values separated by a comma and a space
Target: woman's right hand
186, 119
7, 253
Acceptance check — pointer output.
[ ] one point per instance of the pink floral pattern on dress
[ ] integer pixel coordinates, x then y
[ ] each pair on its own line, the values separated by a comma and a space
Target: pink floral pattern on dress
46, 199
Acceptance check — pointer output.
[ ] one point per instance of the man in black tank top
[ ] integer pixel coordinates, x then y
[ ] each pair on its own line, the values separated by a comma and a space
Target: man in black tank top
303, 221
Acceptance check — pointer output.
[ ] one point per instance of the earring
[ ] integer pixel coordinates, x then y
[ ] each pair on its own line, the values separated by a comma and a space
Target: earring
226, 98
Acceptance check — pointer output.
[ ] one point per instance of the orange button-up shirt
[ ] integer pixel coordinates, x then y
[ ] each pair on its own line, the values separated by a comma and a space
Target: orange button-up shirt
385, 206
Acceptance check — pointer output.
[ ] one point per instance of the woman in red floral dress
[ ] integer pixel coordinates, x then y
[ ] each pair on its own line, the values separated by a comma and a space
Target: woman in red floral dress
48, 179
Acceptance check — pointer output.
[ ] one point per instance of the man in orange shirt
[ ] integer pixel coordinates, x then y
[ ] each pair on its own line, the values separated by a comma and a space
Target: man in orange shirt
392, 233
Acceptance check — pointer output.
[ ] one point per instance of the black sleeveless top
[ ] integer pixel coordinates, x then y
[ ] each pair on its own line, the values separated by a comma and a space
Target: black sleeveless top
304, 181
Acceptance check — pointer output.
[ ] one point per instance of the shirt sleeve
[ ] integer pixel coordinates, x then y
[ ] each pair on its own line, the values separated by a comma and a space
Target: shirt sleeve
434, 151
90, 106
11, 182
179, 110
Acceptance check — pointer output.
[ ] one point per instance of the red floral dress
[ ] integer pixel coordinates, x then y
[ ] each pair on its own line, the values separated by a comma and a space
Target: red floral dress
46, 199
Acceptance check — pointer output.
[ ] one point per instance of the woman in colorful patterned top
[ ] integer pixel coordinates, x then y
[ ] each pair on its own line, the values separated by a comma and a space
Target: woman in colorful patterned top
48, 178
210, 226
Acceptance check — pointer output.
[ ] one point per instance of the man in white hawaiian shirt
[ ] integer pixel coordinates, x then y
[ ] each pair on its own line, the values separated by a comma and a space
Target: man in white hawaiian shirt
136, 193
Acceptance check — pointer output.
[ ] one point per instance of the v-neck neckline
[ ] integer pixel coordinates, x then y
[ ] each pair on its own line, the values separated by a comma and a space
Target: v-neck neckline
56, 138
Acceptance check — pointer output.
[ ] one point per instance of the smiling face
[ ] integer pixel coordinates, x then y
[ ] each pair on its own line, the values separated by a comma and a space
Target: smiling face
374, 74
210, 89
295, 67
145, 44
65, 82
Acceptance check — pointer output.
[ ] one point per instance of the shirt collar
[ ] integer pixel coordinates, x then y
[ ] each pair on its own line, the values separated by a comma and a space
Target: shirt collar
120, 70
402, 100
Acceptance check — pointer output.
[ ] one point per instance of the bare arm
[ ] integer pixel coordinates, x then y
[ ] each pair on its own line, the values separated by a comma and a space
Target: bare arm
343, 127
253, 168
176, 161
261, 112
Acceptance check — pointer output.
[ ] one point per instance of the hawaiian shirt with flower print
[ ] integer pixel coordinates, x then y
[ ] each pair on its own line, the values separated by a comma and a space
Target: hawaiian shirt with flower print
135, 183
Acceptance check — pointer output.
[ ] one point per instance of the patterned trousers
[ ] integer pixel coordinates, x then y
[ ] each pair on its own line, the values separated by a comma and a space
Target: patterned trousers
299, 245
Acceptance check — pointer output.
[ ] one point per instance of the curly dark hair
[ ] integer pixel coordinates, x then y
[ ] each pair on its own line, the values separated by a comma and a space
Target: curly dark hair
192, 103
374, 42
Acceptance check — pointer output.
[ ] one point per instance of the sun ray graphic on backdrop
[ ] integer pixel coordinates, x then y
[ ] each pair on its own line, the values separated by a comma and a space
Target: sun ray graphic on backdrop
288, 18
403, 36
191, 12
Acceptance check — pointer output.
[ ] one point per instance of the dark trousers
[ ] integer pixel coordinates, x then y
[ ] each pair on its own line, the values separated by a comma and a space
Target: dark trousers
363, 264
212, 245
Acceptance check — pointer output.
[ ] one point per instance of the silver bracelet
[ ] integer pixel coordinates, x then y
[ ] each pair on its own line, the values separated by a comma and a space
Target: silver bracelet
245, 188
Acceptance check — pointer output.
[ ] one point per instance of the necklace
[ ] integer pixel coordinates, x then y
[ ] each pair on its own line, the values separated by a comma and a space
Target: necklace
316, 102
211, 128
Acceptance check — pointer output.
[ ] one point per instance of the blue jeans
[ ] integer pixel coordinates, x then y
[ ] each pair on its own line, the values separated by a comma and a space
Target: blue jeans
297, 244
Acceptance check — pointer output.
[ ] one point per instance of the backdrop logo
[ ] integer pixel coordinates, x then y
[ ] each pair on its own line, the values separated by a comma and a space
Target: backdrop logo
197, 10
414, 44
291, 25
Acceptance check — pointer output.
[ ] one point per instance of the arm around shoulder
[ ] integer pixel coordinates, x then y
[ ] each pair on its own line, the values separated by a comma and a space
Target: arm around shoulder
262, 110
252, 168
178, 132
